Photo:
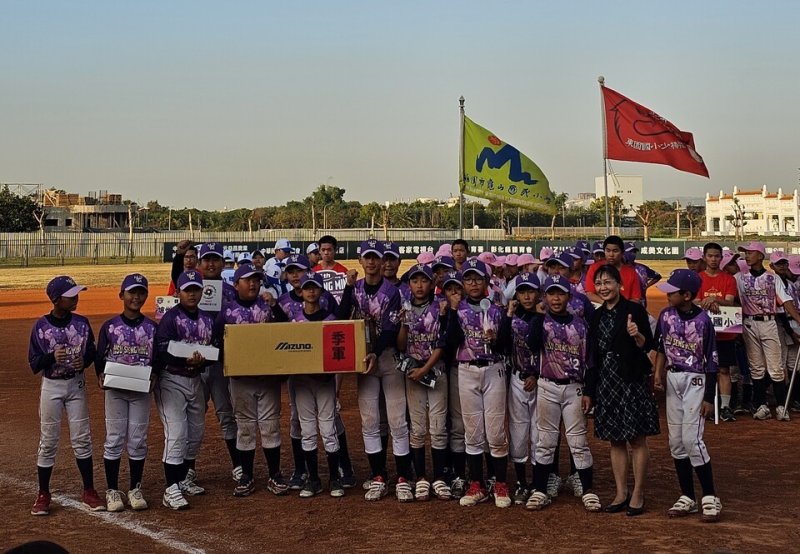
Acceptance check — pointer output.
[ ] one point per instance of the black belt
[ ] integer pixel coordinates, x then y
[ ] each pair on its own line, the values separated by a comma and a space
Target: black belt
675, 369
561, 381
482, 363
765, 317
65, 377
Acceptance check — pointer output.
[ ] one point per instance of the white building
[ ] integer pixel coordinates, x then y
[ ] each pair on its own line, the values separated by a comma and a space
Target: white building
766, 213
628, 187
581, 200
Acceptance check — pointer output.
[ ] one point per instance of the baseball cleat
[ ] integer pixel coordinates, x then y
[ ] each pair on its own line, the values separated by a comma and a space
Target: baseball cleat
336, 488
42, 505
297, 480
474, 495
347, 478
441, 490
377, 489
174, 499
136, 499
501, 498
537, 501
726, 414
236, 474
366, 484
553, 485
762, 413
91, 501
458, 488
683, 507
188, 486
277, 485
246, 487
312, 487
712, 508
403, 490
574, 482
781, 414
422, 490
591, 502
114, 501
520, 495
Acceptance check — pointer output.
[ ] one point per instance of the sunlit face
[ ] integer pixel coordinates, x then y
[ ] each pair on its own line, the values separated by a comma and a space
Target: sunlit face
248, 287
613, 254
190, 260
460, 253
211, 266
134, 299
557, 300
372, 264
327, 252
190, 296
527, 296
293, 276
390, 266
474, 285
712, 257
420, 286
753, 257
606, 288
258, 260
311, 293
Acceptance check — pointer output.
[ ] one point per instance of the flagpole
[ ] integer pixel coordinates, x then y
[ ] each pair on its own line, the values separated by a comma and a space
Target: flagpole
602, 81
461, 173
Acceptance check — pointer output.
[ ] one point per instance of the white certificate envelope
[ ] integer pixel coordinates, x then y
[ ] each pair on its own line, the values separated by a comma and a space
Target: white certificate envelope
187, 350
126, 383
131, 371
212, 296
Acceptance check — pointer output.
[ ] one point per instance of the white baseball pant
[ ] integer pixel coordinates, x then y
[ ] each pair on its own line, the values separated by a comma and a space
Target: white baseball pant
428, 410
127, 420
257, 407
182, 409
457, 443
522, 427
483, 406
392, 381
215, 387
57, 396
555, 402
295, 432
685, 391
315, 397
763, 346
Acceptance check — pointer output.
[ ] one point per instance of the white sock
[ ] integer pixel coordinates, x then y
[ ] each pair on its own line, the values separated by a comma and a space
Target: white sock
724, 400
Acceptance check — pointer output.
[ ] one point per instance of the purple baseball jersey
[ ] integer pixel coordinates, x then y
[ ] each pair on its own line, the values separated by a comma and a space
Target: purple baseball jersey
291, 303
179, 325
424, 334
125, 341
236, 312
523, 358
497, 286
405, 292
383, 307
563, 354
757, 293
645, 274
578, 303
688, 340
73, 333
473, 322
301, 317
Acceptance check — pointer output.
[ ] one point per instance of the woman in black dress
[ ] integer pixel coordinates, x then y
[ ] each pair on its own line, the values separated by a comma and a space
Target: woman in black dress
625, 411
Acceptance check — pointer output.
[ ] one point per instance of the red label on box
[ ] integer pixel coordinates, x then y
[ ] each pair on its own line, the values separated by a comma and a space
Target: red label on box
338, 348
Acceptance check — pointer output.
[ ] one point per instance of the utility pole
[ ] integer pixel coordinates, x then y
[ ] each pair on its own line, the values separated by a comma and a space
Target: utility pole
678, 211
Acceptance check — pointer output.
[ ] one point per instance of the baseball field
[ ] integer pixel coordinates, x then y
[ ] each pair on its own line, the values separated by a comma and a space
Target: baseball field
755, 464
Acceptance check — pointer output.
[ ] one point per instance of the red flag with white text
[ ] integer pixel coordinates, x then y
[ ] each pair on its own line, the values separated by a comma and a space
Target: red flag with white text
637, 134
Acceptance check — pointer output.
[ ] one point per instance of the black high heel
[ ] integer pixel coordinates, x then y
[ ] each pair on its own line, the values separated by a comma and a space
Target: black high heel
616, 508
633, 512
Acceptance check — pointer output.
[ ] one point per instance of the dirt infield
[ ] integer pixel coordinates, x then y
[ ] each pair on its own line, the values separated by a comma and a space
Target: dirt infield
755, 467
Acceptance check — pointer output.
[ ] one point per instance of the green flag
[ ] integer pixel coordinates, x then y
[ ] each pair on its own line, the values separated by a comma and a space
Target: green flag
496, 170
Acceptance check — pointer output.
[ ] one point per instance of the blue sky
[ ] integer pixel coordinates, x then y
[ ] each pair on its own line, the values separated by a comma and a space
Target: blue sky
213, 104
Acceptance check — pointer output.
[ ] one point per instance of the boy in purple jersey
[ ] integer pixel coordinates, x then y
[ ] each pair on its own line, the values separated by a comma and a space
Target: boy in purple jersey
377, 301
421, 340
472, 331
179, 392
578, 303
61, 347
566, 381
315, 397
215, 384
256, 399
686, 349
513, 334
391, 262
129, 339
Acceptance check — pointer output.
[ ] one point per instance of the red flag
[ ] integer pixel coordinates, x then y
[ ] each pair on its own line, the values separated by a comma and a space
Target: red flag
637, 134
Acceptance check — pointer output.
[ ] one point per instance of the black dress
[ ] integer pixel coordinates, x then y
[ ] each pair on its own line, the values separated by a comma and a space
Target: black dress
624, 409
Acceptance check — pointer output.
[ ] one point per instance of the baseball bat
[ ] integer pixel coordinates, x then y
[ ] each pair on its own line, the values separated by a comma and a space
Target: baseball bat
716, 403
791, 382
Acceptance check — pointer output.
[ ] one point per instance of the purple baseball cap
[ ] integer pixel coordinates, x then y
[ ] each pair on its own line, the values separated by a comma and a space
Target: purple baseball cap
681, 279
132, 281
583, 246
753, 246
556, 282
420, 269
474, 265
452, 277
247, 270
190, 279
444, 261
598, 247
371, 246
631, 247
211, 249
391, 249
297, 260
694, 254
565, 259
313, 279
527, 280
63, 286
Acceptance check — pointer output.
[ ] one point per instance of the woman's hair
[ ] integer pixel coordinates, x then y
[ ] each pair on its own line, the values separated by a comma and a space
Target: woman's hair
610, 271
616, 241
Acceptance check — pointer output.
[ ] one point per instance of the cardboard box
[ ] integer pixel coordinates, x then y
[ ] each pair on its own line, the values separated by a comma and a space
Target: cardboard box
187, 350
126, 383
295, 348
127, 377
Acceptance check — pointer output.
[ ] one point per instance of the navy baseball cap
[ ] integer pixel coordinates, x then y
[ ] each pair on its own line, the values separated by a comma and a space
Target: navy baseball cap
631, 247
133, 281
371, 246
565, 259
311, 278
444, 261
556, 282
210, 249
391, 249
420, 269
452, 277
63, 286
527, 280
297, 260
474, 265
190, 279
598, 247
681, 279
247, 270
583, 246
